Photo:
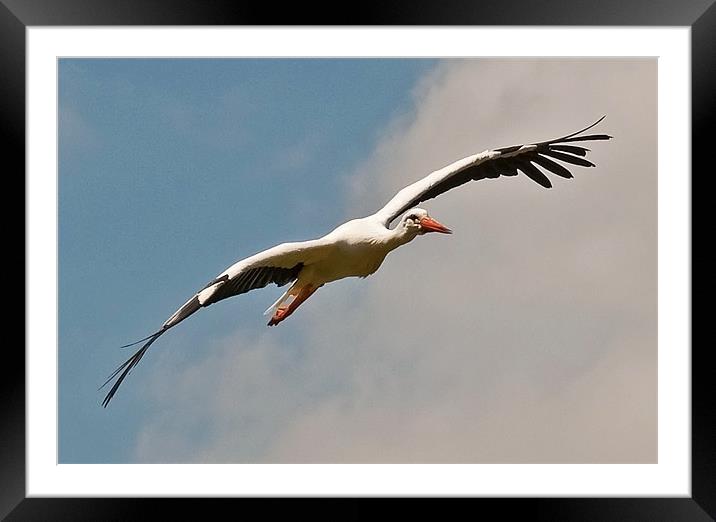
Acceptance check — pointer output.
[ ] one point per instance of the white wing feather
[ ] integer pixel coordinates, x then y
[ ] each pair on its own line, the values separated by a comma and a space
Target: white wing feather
412, 191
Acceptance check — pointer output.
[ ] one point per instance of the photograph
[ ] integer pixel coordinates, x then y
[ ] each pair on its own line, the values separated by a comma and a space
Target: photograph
357, 260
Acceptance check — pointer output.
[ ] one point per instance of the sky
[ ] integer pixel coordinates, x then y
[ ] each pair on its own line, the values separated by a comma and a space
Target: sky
529, 335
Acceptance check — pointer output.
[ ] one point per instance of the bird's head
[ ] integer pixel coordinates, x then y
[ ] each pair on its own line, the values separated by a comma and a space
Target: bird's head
418, 221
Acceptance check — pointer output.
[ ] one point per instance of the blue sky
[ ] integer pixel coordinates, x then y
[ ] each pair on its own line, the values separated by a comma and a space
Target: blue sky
529, 335
171, 170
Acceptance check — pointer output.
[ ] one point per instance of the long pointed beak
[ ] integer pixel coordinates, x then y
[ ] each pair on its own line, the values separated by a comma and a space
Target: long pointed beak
430, 225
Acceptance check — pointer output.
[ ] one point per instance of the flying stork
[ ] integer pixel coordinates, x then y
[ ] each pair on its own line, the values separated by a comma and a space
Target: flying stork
358, 247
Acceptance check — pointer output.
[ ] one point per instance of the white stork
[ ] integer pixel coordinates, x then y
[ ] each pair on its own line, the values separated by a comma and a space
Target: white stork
358, 247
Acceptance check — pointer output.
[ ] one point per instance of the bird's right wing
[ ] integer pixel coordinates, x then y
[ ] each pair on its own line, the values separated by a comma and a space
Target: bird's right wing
280, 265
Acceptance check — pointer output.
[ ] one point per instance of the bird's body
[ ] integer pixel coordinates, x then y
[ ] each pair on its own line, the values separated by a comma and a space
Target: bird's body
354, 249
358, 247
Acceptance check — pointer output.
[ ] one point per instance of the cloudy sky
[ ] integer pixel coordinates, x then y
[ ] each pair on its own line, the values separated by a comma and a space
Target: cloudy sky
529, 335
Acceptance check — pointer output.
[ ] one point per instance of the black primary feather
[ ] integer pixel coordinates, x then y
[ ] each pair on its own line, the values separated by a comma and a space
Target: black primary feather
243, 282
552, 166
534, 173
516, 158
571, 149
127, 366
567, 158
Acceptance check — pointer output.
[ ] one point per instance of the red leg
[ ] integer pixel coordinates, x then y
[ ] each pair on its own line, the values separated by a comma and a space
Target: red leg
282, 312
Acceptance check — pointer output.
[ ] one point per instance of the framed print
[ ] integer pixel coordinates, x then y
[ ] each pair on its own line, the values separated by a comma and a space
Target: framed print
540, 353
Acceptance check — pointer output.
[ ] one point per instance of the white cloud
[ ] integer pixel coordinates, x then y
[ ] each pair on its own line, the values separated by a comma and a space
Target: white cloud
527, 336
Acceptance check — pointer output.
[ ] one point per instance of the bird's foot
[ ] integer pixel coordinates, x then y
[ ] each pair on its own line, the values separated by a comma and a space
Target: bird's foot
282, 312
279, 315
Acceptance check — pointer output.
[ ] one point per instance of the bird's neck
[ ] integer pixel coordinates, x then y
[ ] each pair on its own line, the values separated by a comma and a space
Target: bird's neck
399, 236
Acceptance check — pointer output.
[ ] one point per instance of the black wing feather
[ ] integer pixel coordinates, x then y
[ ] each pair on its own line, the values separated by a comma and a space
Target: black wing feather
534, 173
571, 149
508, 168
591, 137
127, 366
513, 159
252, 279
552, 166
567, 158
245, 281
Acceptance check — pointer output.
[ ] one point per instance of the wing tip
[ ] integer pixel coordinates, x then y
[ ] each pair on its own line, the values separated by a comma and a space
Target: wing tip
585, 129
126, 367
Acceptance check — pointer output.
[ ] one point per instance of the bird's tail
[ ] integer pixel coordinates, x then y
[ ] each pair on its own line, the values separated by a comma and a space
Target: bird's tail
130, 363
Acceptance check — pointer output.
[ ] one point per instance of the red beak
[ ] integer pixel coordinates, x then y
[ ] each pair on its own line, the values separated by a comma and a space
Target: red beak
430, 225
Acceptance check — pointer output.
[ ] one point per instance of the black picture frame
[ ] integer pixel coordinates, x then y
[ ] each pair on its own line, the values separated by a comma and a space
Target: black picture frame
17, 15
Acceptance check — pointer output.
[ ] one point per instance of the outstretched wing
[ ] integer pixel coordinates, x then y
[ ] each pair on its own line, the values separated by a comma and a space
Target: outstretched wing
280, 265
507, 161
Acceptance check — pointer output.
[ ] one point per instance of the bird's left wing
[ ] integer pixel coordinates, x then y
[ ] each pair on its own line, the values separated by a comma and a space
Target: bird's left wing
506, 161
280, 265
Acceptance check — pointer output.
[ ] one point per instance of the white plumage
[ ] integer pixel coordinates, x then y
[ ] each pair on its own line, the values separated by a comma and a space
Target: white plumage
358, 247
